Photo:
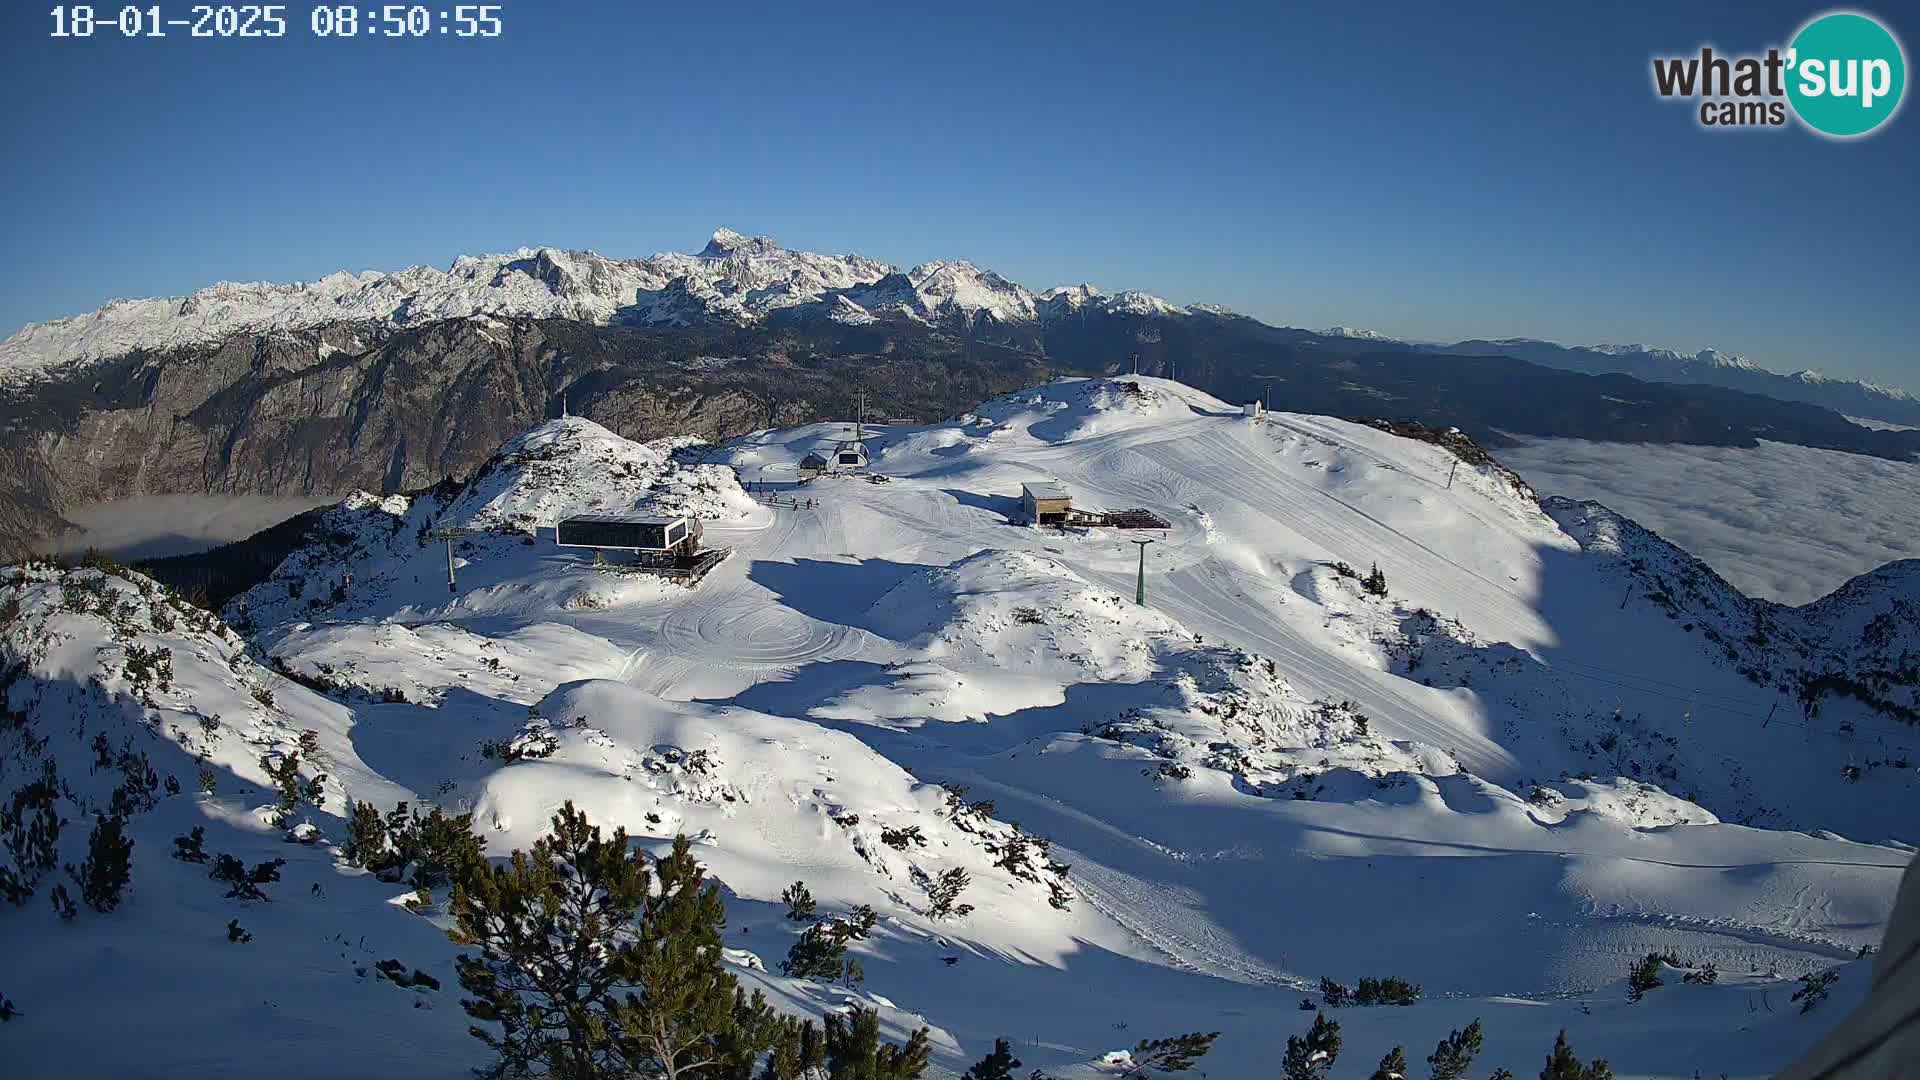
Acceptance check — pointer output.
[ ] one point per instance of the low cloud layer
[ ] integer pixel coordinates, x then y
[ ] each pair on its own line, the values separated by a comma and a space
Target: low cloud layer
1788, 523
154, 526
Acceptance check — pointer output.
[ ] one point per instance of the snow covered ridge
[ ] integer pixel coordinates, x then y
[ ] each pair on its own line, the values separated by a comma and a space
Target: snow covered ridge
734, 278
1222, 796
107, 665
575, 466
375, 550
1862, 640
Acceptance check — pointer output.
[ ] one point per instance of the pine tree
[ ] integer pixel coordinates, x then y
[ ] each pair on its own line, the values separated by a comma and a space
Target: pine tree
244, 884
103, 876
1174, 1054
1393, 1066
1644, 975
30, 828
800, 905
285, 777
1336, 994
189, 848
947, 889
855, 1050
1813, 988
366, 843
797, 1052
1310, 1057
442, 848
548, 927
682, 1011
821, 952
565, 926
1391, 990
1454, 1055
998, 1065
1562, 1065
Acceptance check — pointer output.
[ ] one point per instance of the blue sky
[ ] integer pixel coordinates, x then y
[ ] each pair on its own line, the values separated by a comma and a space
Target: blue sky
1405, 167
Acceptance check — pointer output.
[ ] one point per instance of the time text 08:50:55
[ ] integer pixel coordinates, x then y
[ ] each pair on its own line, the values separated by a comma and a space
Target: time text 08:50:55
271, 21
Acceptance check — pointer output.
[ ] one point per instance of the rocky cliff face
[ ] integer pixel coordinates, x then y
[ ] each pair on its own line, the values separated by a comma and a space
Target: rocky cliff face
358, 406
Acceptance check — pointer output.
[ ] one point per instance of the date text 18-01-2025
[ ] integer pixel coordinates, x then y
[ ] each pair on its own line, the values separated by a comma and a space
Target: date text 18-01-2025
243, 21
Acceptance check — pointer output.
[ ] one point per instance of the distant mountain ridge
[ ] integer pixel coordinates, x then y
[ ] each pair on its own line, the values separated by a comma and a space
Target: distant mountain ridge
1850, 397
740, 280
392, 382
735, 279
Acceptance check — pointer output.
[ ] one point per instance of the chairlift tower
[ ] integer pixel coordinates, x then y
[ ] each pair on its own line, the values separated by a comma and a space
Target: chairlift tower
1140, 584
449, 536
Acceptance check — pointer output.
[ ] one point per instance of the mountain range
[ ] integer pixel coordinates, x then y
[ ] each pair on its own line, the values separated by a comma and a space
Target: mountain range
394, 381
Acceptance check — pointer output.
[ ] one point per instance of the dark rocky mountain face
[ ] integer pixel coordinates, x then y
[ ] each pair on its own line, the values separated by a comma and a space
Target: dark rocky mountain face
358, 406
348, 407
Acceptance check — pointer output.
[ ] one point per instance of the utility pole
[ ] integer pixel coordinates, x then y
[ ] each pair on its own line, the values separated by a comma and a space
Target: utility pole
1623, 599
1136, 363
1140, 584
1450, 472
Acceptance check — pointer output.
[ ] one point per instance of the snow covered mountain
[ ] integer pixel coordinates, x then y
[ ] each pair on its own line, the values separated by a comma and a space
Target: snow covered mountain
734, 279
1540, 745
391, 382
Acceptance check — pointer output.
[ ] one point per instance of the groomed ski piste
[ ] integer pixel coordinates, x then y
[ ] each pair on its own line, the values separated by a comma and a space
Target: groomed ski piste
1555, 744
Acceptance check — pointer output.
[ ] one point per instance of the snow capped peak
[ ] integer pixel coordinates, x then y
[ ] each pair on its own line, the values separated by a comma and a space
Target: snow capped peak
1717, 358
966, 289
1708, 357
1074, 295
726, 242
1816, 378
1133, 302
1356, 333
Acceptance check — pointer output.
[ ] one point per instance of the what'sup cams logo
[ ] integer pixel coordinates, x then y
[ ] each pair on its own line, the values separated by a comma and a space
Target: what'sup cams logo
1843, 76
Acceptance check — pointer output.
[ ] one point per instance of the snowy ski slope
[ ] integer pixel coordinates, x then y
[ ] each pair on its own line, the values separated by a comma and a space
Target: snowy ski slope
1536, 759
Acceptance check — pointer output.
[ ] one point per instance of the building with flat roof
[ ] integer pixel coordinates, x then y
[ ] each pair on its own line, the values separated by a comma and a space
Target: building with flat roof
1046, 502
629, 532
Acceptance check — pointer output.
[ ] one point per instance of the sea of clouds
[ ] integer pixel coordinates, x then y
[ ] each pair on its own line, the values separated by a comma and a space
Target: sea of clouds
1785, 522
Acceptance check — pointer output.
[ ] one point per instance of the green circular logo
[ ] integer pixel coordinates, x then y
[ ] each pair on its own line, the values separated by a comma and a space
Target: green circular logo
1845, 74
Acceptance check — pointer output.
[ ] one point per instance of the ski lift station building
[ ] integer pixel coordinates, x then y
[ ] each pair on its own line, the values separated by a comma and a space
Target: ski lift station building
1046, 502
850, 455
659, 535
